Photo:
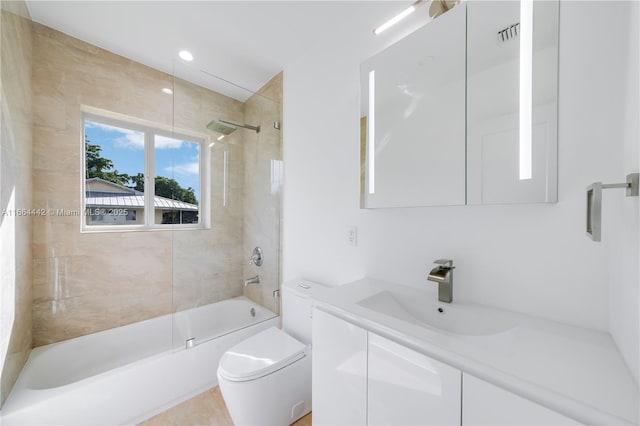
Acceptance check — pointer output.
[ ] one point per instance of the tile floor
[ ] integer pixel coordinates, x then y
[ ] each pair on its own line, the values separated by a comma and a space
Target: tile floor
208, 408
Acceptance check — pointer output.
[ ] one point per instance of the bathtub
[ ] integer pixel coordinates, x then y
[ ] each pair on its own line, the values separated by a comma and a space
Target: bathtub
127, 374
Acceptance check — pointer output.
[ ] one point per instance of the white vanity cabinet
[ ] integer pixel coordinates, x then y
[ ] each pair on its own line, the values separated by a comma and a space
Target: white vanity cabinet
360, 378
487, 404
408, 388
339, 369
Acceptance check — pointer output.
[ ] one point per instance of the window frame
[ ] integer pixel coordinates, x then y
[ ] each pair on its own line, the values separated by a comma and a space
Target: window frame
150, 130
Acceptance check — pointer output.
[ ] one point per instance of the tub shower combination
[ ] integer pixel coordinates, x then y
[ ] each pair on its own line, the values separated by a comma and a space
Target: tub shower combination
127, 374
172, 250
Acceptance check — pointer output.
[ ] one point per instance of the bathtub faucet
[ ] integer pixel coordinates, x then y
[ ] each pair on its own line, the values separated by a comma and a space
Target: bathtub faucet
252, 280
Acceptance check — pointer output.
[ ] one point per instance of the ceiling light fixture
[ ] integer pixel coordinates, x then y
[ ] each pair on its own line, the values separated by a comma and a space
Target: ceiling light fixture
186, 55
399, 17
438, 7
220, 137
167, 91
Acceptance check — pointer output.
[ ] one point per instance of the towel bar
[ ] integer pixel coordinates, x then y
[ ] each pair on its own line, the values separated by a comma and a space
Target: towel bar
594, 202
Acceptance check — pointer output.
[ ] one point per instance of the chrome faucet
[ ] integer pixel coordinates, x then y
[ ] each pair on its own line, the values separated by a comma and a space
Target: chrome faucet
443, 275
256, 257
252, 280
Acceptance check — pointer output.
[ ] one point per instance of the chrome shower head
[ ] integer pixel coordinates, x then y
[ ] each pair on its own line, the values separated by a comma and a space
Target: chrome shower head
218, 126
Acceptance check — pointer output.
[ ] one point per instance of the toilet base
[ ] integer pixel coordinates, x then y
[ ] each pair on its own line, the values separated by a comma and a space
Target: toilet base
277, 399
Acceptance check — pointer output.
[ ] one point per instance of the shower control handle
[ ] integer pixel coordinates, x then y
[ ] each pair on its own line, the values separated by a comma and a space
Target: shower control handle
256, 257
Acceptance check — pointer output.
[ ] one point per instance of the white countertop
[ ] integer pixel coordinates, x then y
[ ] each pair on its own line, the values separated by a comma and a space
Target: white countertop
575, 371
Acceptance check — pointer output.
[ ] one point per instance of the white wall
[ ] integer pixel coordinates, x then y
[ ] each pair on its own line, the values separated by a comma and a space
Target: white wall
624, 234
530, 258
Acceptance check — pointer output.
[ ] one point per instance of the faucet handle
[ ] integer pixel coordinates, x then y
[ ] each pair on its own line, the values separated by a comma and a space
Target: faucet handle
256, 257
444, 263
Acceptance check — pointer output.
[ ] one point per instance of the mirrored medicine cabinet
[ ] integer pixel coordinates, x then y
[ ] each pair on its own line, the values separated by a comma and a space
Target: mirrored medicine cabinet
464, 110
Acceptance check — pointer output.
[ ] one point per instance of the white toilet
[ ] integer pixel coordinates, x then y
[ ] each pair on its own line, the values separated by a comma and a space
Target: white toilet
266, 379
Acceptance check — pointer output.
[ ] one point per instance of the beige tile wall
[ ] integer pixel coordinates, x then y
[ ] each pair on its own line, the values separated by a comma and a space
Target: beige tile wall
86, 282
15, 193
207, 266
263, 190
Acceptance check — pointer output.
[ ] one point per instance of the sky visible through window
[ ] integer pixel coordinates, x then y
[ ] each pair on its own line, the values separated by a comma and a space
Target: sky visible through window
174, 158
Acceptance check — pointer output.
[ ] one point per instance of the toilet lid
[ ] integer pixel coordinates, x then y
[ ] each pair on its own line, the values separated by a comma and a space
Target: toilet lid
259, 355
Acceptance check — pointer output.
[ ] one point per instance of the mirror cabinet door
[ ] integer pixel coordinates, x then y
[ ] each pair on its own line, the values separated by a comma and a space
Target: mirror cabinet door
512, 98
489, 68
413, 118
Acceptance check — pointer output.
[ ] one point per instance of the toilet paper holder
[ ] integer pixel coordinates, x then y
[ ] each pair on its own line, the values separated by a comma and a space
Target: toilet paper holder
594, 202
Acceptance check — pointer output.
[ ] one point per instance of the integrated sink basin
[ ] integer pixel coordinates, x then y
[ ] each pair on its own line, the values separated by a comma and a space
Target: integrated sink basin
415, 307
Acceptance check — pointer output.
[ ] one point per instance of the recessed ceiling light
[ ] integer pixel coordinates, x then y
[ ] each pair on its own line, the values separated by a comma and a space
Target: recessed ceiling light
186, 55
221, 137
167, 91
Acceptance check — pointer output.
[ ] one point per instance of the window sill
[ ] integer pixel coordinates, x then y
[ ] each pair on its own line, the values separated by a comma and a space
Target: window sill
140, 228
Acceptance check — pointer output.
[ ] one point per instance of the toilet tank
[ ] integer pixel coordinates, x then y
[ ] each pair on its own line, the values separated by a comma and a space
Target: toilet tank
298, 297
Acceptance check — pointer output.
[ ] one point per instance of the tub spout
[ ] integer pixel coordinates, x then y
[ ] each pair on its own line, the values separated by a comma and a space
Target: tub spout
252, 280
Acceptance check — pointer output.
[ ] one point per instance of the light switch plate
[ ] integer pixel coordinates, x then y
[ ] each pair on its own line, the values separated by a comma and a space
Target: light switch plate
352, 235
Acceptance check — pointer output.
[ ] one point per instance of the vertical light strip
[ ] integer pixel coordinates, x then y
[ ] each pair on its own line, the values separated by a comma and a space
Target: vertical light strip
371, 126
526, 87
225, 178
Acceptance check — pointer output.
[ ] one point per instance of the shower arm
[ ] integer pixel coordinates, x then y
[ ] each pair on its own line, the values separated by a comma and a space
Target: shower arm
244, 126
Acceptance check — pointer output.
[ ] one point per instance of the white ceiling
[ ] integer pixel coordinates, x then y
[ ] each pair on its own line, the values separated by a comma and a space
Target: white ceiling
244, 42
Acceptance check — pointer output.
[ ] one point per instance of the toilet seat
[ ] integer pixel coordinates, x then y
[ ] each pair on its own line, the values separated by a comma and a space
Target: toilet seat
260, 355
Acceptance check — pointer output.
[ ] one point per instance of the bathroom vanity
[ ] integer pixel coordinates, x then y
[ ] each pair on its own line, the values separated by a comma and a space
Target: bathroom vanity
385, 353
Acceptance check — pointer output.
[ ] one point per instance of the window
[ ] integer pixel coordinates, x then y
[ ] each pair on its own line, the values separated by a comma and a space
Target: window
141, 176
